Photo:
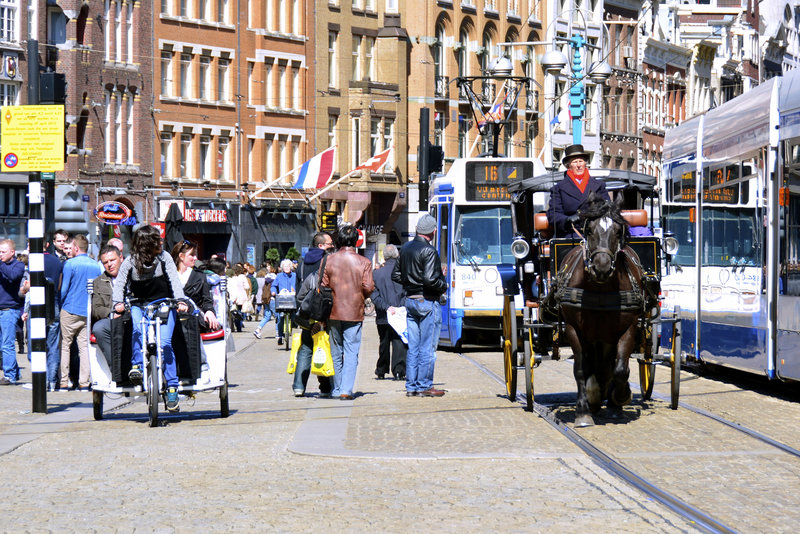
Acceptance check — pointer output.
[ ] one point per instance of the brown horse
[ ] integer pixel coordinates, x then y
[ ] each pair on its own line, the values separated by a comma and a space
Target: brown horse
599, 292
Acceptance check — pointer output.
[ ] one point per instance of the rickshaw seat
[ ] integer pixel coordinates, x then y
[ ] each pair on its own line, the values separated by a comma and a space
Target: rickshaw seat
635, 217
216, 334
531, 304
542, 225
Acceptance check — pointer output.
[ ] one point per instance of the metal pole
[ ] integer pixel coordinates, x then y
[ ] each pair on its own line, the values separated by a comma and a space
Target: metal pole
423, 166
37, 330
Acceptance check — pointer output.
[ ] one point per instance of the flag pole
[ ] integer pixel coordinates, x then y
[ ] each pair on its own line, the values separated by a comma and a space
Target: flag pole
270, 184
318, 193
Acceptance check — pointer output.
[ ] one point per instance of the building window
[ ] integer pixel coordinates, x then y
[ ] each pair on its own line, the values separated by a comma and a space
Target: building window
202, 9
118, 118
205, 161
222, 158
296, 91
355, 142
391, 6
388, 142
332, 58
333, 121
204, 81
463, 136
374, 136
118, 22
369, 64
130, 109
184, 74
166, 154
222, 79
129, 34
166, 73
222, 11
8, 94
185, 154
108, 127
184, 8
165, 7
356, 54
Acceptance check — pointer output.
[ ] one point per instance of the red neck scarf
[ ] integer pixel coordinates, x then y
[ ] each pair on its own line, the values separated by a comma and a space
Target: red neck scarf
580, 181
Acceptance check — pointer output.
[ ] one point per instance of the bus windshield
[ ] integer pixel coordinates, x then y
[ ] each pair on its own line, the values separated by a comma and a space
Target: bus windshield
483, 235
729, 236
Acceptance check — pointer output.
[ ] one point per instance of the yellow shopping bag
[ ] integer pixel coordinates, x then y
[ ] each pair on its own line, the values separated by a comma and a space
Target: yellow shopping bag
295, 347
321, 360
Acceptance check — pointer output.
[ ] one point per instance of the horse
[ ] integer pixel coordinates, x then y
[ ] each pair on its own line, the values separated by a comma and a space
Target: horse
600, 295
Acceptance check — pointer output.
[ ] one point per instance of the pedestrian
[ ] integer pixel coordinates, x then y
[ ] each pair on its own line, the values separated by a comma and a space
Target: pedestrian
238, 289
349, 276
215, 270
387, 298
267, 303
285, 283
571, 194
308, 270
60, 238
12, 272
194, 283
419, 271
149, 274
261, 275
111, 258
78, 270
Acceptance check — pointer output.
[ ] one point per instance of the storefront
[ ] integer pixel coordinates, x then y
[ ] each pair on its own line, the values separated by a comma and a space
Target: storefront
205, 222
14, 208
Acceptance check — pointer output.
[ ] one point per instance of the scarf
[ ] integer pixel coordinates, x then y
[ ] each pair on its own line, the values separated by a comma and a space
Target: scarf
580, 181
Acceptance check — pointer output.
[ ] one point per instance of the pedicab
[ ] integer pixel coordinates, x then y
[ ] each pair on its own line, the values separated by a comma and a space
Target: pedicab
545, 267
201, 358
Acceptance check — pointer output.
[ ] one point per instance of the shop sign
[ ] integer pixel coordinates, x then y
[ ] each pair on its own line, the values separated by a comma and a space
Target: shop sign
195, 215
162, 228
113, 212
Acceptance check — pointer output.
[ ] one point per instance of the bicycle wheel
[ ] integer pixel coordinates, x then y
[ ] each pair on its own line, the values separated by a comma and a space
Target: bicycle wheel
287, 331
152, 390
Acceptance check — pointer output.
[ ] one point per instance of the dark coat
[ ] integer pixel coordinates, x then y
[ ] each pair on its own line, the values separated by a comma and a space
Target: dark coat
419, 270
387, 293
199, 291
349, 276
101, 298
566, 199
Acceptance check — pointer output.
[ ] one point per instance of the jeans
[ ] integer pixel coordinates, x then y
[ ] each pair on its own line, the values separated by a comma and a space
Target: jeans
8, 338
304, 365
345, 343
168, 356
266, 318
280, 324
424, 320
54, 348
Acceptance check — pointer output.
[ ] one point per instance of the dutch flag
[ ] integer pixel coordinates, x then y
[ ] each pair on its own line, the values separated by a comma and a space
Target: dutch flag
315, 173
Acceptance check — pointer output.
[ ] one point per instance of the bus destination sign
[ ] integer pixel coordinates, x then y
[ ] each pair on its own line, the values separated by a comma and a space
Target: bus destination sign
717, 188
489, 180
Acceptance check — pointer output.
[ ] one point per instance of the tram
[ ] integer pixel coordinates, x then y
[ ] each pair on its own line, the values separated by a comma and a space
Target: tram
730, 202
471, 205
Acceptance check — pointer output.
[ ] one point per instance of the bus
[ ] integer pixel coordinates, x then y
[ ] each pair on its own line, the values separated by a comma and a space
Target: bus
473, 211
730, 204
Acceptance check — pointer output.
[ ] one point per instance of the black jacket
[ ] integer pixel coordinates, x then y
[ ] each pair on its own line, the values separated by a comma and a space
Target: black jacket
308, 265
198, 290
387, 292
419, 270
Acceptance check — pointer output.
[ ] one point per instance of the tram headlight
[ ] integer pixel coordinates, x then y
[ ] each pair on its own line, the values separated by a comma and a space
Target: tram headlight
520, 248
670, 245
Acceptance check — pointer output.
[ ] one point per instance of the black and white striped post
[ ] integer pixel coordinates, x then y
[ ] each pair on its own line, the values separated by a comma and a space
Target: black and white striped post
37, 332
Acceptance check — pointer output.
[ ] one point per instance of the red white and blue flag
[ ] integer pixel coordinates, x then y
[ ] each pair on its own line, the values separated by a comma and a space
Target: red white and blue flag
316, 172
495, 114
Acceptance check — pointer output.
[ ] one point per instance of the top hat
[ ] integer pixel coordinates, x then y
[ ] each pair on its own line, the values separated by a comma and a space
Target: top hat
574, 151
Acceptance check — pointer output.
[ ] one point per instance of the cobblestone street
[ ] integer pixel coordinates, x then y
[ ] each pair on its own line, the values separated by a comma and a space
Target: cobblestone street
468, 462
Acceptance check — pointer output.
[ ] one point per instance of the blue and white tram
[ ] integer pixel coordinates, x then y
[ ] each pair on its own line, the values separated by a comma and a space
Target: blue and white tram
472, 208
730, 202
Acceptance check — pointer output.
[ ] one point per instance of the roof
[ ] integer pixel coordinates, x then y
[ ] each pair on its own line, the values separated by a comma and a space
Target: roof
615, 179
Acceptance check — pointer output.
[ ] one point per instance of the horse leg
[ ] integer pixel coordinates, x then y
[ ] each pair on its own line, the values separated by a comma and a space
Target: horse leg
582, 415
620, 393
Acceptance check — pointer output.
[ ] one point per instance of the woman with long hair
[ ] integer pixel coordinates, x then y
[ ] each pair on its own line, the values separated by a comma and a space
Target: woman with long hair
146, 275
195, 284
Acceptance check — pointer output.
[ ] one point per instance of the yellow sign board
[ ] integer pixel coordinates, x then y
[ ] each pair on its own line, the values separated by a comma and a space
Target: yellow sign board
32, 138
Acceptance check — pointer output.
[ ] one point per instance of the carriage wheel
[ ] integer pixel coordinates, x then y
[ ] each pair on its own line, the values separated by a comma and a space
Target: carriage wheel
97, 404
529, 361
224, 408
675, 360
152, 390
647, 375
510, 347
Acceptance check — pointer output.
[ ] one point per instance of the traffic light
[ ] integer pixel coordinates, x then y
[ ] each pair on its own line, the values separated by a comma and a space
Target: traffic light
435, 158
329, 221
52, 88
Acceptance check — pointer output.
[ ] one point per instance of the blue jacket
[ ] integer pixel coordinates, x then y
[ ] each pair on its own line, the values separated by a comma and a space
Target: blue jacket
284, 281
566, 199
387, 293
11, 274
77, 270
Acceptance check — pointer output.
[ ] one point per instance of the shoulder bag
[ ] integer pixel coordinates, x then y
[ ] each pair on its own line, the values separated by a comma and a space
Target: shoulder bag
318, 303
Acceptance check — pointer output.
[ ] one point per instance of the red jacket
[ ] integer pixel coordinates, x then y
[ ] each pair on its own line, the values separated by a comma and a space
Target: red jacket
349, 276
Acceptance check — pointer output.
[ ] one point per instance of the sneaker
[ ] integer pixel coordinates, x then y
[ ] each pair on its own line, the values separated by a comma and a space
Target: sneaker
172, 399
324, 395
51, 387
135, 375
299, 392
257, 333
280, 340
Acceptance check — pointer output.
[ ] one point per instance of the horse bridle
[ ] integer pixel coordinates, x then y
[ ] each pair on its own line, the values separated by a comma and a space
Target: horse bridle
588, 259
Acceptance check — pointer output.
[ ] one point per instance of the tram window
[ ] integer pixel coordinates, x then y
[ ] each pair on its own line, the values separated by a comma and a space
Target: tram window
729, 237
791, 248
482, 236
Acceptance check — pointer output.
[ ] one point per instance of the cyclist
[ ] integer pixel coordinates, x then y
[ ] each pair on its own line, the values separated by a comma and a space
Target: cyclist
146, 275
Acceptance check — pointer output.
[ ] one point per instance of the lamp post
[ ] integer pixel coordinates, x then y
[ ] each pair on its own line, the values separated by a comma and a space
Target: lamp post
553, 63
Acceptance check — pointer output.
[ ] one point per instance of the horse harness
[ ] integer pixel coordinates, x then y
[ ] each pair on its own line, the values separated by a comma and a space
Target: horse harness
630, 300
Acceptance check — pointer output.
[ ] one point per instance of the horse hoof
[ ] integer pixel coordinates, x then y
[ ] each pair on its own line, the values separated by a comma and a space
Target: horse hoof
584, 420
627, 398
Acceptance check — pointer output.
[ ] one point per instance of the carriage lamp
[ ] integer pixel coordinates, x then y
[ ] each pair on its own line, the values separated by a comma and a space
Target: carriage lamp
520, 248
670, 244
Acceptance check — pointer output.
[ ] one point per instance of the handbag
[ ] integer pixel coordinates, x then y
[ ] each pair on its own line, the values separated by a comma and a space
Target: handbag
318, 303
321, 360
296, 342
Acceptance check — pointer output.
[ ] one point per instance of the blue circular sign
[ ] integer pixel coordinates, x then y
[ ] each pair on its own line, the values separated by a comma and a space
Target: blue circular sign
11, 160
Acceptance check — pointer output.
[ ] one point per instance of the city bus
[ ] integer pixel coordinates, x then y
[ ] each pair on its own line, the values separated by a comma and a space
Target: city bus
472, 207
730, 204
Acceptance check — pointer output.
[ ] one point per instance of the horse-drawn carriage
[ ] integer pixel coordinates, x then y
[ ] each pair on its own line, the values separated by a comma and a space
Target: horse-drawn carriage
599, 294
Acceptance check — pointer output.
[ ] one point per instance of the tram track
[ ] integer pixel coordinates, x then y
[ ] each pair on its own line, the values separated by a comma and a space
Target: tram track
681, 507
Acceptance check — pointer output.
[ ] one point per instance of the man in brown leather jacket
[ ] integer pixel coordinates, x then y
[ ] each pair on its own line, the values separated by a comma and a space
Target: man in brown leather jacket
349, 275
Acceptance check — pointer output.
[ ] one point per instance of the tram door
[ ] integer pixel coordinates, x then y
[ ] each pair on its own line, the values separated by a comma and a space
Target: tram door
443, 247
788, 318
